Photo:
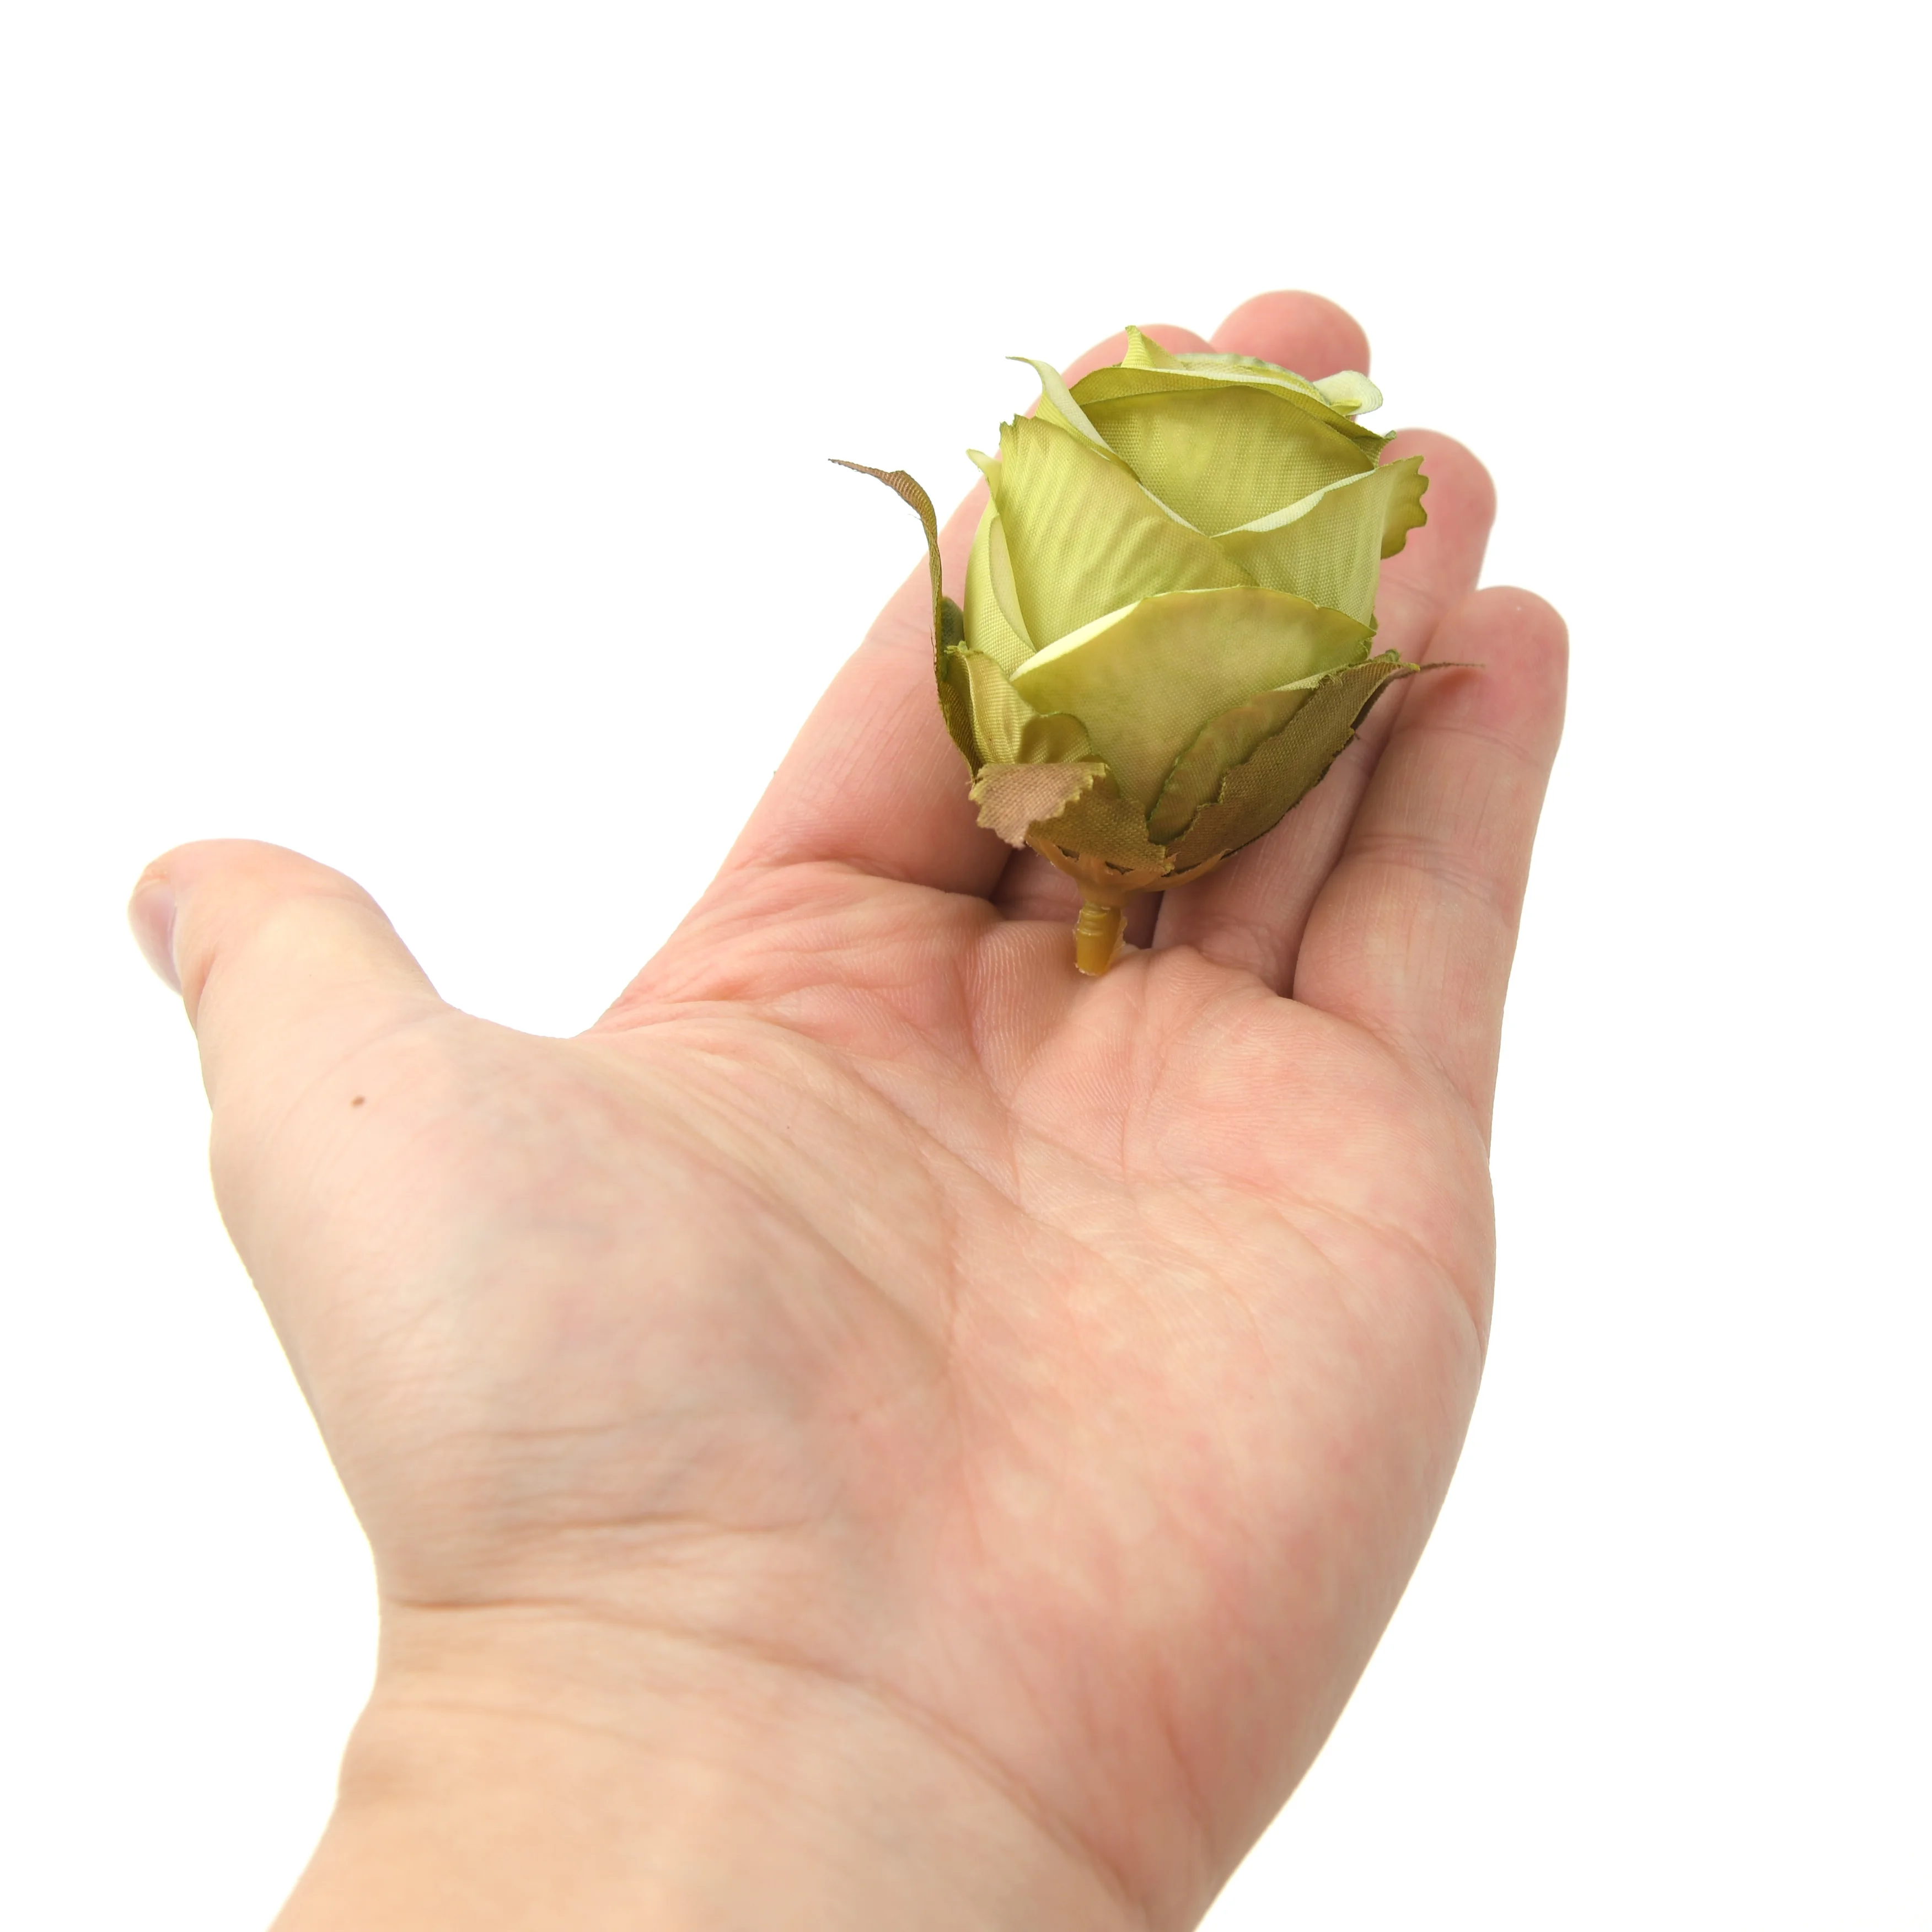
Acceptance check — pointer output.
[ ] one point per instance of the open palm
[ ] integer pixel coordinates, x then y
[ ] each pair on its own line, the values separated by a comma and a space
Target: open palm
1046, 1385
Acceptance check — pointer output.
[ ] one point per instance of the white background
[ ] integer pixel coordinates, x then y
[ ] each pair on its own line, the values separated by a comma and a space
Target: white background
409, 412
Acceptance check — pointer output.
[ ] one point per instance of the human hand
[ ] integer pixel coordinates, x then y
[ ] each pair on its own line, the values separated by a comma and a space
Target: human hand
881, 1430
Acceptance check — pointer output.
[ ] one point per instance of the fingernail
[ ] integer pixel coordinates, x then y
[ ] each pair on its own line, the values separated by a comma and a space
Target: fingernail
151, 913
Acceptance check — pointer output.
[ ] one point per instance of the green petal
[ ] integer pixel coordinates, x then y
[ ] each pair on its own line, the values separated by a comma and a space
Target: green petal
1006, 728
1057, 407
1221, 454
992, 610
1145, 680
1352, 392
999, 713
1084, 539
1328, 547
1143, 353
951, 703
1054, 738
1405, 512
1285, 768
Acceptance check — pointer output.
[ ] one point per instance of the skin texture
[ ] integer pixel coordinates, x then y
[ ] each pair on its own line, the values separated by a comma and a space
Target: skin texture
881, 1429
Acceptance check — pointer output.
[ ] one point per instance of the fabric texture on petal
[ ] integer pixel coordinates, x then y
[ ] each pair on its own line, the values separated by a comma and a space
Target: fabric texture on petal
992, 608
999, 713
1057, 406
1145, 682
1084, 538
1328, 547
1349, 391
1352, 392
1223, 454
1006, 728
1405, 511
1255, 795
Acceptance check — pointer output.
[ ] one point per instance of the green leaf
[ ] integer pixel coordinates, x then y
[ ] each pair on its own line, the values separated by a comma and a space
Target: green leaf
1084, 538
955, 706
951, 705
1328, 547
1225, 742
1283, 769
1102, 825
1144, 681
906, 488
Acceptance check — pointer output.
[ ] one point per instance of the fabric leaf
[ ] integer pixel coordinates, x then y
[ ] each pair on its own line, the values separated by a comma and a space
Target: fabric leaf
1225, 742
1285, 768
1101, 826
1012, 798
957, 725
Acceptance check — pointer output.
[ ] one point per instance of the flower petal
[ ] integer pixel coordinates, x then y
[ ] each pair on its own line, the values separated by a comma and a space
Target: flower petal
1329, 546
1336, 399
1349, 391
993, 621
1084, 538
1057, 406
1222, 453
1145, 680
1007, 729
999, 713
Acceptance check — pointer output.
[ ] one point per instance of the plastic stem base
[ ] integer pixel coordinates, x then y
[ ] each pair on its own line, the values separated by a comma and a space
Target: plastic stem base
1097, 936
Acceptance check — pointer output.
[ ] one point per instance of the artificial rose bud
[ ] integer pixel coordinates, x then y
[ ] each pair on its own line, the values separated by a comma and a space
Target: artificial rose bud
1166, 640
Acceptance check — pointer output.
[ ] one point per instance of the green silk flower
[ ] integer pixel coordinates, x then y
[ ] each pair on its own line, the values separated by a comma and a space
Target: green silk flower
1169, 608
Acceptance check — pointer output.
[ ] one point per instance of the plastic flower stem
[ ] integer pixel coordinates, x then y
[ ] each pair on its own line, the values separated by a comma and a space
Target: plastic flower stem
1097, 936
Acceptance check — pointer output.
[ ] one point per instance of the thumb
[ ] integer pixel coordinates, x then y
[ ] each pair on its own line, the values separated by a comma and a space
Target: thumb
285, 966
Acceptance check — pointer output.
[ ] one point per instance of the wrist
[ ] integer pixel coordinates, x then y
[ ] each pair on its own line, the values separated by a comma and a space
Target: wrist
524, 1769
